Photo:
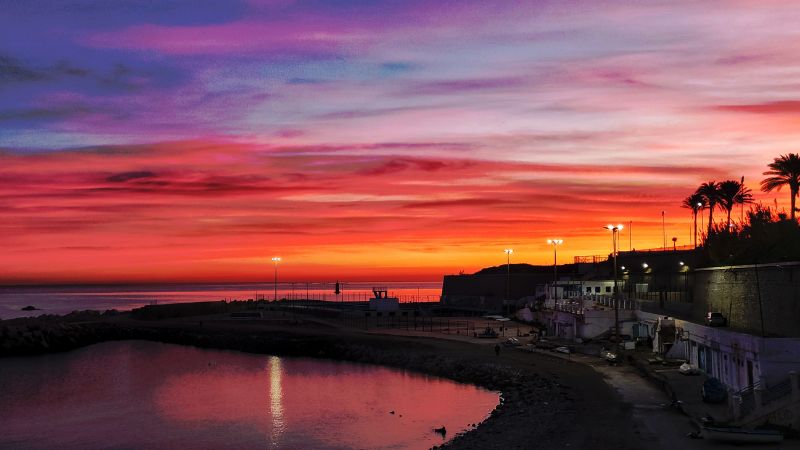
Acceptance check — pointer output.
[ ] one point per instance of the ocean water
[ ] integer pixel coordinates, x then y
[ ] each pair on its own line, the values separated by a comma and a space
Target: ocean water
136, 394
63, 300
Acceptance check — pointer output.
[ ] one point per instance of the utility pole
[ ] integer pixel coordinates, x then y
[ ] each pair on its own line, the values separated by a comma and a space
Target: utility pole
555, 243
508, 251
276, 260
614, 234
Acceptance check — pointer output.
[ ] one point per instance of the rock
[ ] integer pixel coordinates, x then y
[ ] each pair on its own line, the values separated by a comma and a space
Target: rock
30, 308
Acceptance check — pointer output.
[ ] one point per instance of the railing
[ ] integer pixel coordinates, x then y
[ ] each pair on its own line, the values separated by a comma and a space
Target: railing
748, 399
593, 259
570, 306
355, 297
578, 305
668, 248
777, 392
624, 303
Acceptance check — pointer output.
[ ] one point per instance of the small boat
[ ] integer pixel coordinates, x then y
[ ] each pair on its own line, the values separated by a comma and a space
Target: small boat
741, 435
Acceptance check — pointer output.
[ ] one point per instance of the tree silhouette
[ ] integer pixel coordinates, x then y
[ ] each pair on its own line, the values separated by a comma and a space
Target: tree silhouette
732, 193
784, 171
694, 202
710, 193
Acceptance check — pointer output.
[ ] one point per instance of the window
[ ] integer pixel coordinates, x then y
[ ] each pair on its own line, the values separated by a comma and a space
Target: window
597, 288
608, 288
588, 289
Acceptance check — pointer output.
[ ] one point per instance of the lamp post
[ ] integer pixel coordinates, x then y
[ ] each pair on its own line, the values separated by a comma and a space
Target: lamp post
555, 243
508, 252
614, 233
276, 260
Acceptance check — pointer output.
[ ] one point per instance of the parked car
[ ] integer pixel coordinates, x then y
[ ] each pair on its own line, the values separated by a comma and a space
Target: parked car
716, 319
713, 391
512, 342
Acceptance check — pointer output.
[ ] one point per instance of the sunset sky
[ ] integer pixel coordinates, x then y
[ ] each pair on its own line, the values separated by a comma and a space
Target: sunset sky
367, 140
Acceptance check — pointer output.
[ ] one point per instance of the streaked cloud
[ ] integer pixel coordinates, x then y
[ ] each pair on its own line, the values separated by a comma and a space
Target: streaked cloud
192, 138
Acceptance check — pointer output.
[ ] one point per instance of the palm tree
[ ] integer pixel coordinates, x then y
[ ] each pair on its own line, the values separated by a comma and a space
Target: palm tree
694, 202
710, 193
732, 193
785, 170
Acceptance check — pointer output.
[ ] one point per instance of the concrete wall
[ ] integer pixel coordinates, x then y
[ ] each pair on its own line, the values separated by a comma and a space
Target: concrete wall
591, 324
733, 357
487, 291
745, 294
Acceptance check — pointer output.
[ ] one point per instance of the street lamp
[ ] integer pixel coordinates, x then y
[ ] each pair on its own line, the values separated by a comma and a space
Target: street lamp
700, 210
555, 243
276, 260
614, 236
508, 252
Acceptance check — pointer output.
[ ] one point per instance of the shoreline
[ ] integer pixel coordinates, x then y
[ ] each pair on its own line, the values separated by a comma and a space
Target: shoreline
545, 402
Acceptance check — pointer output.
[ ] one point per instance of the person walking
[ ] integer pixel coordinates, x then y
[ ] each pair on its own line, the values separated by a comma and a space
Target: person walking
497, 349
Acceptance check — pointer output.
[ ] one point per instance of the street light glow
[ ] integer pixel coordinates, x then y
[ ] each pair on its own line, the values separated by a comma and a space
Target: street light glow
509, 251
614, 227
555, 241
645, 266
276, 259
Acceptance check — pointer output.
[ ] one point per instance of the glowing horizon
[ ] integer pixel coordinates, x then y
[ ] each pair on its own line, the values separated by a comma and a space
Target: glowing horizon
193, 141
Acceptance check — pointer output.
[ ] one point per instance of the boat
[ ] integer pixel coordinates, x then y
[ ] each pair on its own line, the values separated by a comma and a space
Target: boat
741, 435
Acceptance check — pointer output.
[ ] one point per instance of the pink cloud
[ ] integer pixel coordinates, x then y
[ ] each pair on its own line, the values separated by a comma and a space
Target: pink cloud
312, 36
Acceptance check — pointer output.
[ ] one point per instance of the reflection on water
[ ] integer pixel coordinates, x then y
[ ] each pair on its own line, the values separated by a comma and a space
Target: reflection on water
275, 398
148, 395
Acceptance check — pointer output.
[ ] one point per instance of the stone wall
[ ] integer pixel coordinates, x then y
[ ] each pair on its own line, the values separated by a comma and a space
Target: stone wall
487, 291
750, 296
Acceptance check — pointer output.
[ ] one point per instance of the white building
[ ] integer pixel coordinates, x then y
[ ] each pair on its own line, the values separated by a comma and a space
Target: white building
739, 360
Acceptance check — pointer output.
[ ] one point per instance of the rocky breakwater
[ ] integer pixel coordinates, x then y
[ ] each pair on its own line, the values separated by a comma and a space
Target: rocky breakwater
46, 334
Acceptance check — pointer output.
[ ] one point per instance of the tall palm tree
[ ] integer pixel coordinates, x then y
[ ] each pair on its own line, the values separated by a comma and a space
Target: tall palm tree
732, 193
785, 170
710, 193
694, 202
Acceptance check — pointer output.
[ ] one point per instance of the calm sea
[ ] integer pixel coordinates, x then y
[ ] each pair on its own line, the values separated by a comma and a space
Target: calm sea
63, 300
136, 394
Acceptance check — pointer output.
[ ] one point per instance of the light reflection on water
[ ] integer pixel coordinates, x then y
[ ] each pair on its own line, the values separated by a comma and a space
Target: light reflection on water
137, 394
275, 398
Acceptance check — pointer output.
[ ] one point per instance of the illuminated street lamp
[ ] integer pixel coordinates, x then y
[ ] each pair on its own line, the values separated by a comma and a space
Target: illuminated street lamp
508, 252
614, 237
555, 243
276, 260
700, 211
